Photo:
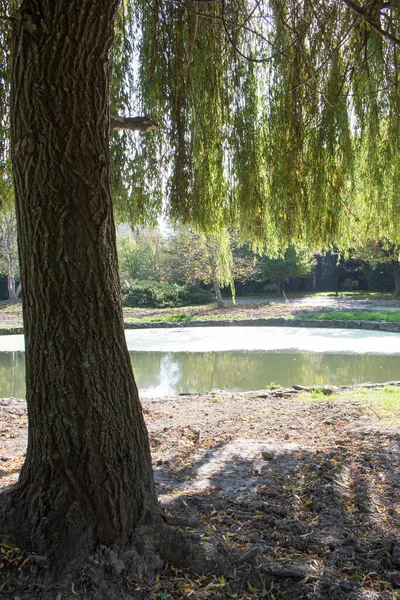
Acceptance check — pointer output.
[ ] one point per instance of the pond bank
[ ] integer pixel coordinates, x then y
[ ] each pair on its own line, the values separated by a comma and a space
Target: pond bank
271, 322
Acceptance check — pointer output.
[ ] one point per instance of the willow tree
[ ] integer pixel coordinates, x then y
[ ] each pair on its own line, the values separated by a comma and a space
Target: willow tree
265, 112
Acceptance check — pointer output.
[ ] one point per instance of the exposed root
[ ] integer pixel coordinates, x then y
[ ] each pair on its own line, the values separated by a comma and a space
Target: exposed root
189, 551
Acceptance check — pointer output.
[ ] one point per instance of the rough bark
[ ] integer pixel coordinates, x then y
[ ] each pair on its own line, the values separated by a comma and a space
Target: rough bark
396, 275
87, 479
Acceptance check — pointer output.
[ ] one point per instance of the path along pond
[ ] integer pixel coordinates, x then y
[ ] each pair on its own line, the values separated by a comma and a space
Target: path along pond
235, 359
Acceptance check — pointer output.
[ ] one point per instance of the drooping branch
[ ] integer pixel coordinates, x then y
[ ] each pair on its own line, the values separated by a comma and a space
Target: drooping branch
370, 20
143, 124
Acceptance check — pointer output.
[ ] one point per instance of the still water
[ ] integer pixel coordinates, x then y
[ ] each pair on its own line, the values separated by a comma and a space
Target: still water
179, 360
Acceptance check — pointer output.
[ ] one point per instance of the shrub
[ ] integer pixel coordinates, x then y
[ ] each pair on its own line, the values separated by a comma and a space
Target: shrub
348, 284
155, 294
380, 278
198, 295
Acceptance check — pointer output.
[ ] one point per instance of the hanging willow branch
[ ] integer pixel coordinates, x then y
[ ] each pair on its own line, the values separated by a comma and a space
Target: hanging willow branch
279, 117
370, 20
244, 27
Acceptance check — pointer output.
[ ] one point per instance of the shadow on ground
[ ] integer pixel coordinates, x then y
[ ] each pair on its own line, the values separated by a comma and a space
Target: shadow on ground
306, 495
309, 522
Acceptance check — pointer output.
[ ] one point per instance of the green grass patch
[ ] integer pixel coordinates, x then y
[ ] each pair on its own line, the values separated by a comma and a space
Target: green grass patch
11, 306
273, 386
320, 393
351, 295
175, 318
391, 316
182, 318
382, 403
226, 316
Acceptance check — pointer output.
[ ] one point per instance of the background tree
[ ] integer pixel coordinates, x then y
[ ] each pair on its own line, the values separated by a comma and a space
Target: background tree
246, 264
140, 255
8, 223
184, 256
295, 264
9, 251
381, 252
193, 257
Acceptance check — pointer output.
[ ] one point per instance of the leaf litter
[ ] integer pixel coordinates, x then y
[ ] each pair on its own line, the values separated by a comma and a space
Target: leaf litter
306, 494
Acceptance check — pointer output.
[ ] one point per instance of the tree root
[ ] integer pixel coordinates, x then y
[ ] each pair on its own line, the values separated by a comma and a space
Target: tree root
189, 551
142, 560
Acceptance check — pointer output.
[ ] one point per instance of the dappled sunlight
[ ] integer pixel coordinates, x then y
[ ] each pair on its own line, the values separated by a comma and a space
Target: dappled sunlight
306, 496
307, 519
311, 504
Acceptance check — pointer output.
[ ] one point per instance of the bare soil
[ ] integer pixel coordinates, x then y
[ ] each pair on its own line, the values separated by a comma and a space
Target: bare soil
306, 493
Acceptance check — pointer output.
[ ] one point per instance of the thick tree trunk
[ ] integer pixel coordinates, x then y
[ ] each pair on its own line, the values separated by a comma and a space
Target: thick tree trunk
87, 479
396, 275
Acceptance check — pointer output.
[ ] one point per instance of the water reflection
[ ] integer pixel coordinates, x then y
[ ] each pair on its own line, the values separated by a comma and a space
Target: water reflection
12, 374
179, 372
169, 373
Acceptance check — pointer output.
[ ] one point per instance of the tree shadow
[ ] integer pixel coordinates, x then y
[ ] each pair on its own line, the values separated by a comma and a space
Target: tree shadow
304, 521
308, 523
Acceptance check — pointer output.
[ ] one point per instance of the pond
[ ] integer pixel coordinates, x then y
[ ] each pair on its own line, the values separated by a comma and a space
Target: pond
189, 360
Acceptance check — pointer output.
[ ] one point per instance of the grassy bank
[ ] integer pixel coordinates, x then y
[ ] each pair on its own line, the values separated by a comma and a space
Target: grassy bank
390, 316
319, 307
383, 401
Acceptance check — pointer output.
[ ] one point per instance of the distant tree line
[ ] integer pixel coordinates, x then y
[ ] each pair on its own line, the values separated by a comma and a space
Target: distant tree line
198, 263
193, 268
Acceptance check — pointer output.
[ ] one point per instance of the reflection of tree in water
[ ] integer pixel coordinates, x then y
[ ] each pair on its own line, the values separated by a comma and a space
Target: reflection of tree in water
12, 374
147, 368
181, 372
358, 368
168, 373
159, 372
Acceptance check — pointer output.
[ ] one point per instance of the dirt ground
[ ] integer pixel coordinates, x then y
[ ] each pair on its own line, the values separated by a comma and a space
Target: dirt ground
306, 493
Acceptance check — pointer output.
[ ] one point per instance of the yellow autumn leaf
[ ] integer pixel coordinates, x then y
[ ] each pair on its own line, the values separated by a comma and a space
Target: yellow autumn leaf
185, 587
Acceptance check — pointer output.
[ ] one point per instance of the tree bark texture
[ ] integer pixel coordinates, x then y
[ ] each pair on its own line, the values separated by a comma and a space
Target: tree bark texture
87, 479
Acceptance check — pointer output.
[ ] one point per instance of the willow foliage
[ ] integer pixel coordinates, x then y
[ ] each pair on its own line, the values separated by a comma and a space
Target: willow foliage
276, 117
